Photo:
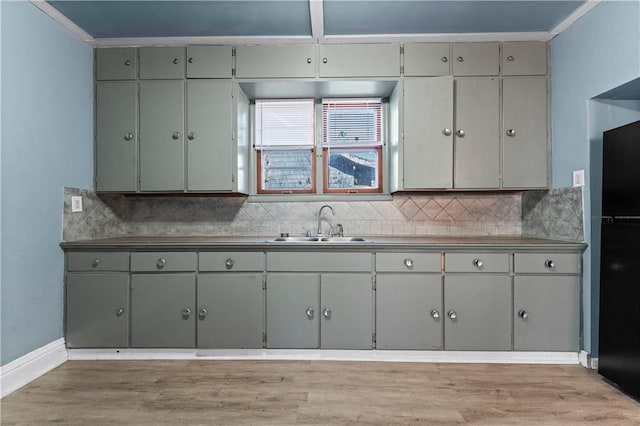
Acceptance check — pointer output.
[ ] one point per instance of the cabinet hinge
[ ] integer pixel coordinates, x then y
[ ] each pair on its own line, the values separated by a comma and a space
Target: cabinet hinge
233, 178
264, 337
373, 339
374, 281
264, 283
402, 50
401, 69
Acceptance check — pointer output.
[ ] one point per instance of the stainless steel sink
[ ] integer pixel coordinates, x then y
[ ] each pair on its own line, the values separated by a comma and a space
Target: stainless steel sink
318, 239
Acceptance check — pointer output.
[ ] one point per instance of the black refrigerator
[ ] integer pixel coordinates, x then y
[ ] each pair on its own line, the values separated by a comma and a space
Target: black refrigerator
619, 350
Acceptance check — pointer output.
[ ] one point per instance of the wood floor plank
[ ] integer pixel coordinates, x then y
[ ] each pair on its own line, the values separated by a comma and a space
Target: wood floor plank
205, 392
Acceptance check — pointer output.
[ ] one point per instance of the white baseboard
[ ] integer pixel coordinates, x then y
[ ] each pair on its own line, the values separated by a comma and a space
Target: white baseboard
328, 355
29, 367
587, 361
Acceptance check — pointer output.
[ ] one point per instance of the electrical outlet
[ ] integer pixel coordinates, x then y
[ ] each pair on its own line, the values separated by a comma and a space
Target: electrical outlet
76, 204
578, 178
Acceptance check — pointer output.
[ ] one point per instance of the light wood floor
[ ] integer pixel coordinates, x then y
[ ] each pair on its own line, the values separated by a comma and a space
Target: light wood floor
314, 392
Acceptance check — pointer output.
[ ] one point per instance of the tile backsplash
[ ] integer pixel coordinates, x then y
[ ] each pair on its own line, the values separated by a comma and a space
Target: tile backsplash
554, 214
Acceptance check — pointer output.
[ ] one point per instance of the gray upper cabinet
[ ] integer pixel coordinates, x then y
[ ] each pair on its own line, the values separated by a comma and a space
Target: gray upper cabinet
117, 63
116, 136
162, 63
427, 59
524, 133
475, 59
275, 61
209, 136
477, 139
524, 58
209, 61
162, 147
359, 60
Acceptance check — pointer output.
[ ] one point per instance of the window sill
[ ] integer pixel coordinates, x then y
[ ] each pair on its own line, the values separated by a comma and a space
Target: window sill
279, 198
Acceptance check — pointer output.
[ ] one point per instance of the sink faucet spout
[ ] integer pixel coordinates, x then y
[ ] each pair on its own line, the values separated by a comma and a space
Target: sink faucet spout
320, 216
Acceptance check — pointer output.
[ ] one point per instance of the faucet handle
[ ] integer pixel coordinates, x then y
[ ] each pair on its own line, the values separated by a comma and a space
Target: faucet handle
339, 230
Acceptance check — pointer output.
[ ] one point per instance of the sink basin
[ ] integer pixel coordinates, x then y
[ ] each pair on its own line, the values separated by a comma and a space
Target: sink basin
318, 239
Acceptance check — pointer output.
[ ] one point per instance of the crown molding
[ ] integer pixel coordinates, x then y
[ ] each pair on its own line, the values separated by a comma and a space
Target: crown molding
54, 14
574, 17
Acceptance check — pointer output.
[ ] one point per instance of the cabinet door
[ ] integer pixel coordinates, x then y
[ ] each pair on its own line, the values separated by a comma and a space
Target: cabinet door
116, 63
209, 144
359, 60
409, 311
162, 62
524, 133
347, 311
524, 58
275, 61
209, 61
163, 310
477, 313
428, 134
476, 59
546, 313
230, 311
426, 59
161, 136
116, 136
97, 310
293, 311
477, 146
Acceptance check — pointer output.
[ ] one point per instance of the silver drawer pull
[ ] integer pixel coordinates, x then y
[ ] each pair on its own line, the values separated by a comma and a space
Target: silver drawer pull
202, 314
435, 314
523, 314
176, 61
326, 312
128, 136
510, 58
229, 263
96, 263
127, 63
310, 312
408, 263
460, 59
186, 313
478, 263
549, 264
444, 59
191, 60
119, 312
452, 314
161, 262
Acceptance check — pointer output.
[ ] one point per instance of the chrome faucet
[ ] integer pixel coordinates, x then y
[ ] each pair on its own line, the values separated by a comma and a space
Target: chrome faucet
320, 216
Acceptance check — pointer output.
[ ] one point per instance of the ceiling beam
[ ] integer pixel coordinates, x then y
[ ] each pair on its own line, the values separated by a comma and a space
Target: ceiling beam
316, 10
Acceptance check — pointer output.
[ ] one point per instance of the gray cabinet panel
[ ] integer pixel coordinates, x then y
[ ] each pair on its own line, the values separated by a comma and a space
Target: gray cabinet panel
426, 59
546, 263
237, 261
524, 133
408, 262
293, 311
163, 261
347, 311
162, 62
477, 146
482, 307
428, 134
275, 61
524, 58
97, 310
318, 261
116, 63
230, 311
409, 311
209, 144
476, 59
546, 313
163, 310
98, 261
161, 136
477, 262
209, 61
359, 60
116, 136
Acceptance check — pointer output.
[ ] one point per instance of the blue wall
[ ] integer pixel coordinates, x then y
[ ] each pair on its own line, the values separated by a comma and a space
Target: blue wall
598, 53
47, 133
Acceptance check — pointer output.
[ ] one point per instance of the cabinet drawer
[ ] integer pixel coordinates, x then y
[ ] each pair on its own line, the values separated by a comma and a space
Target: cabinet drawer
476, 59
359, 60
231, 261
209, 61
547, 263
98, 261
116, 64
275, 61
477, 262
426, 59
318, 261
524, 58
162, 62
408, 262
163, 261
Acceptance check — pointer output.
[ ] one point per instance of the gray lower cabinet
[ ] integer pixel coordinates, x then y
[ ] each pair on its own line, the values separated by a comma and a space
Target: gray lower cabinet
230, 310
546, 313
163, 310
97, 310
409, 311
477, 311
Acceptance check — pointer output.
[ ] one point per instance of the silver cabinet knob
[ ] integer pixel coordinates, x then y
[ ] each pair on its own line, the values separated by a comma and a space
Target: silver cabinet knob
119, 312
523, 314
446, 131
408, 263
324, 60
127, 63
191, 60
549, 264
326, 312
478, 263
176, 61
128, 136
452, 315
175, 136
229, 263
460, 133
511, 132
202, 314
310, 312
308, 60
460, 59
186, 313
191, 136
510, 58
444, 59
435, 314
95, 263
161, 262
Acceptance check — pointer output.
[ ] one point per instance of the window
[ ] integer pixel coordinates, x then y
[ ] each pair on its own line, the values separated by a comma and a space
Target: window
350, 140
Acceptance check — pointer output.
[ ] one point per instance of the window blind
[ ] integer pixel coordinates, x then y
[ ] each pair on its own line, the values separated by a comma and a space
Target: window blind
284, 124
352, 122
